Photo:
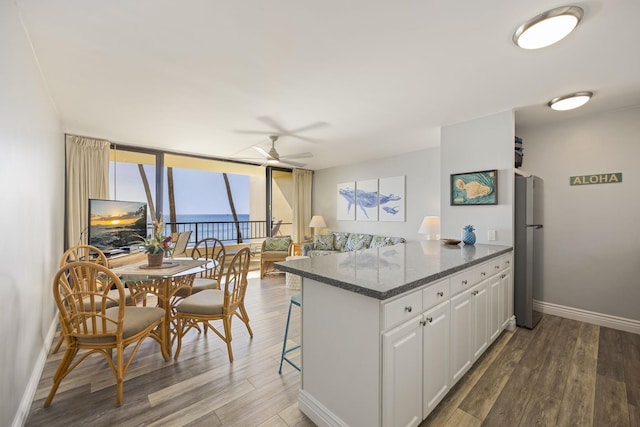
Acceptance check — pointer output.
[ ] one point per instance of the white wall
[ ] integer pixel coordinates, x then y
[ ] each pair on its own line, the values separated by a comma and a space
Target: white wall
591, 251
422, 192
481, 144
32, 197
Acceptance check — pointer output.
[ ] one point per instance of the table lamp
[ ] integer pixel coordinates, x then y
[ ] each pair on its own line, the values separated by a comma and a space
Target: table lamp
317, 222
431, 227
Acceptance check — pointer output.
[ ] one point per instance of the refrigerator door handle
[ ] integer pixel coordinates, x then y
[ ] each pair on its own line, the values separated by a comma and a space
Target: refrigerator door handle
535, 226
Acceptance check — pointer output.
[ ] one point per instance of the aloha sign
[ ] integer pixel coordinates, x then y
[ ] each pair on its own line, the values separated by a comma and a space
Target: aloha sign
603, 178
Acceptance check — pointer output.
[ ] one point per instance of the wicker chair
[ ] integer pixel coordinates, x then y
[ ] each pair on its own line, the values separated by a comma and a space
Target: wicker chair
217, 304
93, 320
274, 249
92, 254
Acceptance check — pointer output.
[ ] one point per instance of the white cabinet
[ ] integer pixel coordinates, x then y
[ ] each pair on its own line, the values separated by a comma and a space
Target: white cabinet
402, 374
480, 319
415, 357
461, 318
436, 358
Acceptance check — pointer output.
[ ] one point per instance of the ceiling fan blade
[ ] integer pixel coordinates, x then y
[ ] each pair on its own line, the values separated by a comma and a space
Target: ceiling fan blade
310, 126
272, 123
261, 151
291, 163
297, 156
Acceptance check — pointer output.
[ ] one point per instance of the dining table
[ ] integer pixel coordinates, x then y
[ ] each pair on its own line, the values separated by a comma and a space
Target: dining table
164, 282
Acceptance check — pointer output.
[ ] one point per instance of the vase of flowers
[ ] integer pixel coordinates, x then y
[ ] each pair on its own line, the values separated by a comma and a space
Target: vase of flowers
468, 236
156, 246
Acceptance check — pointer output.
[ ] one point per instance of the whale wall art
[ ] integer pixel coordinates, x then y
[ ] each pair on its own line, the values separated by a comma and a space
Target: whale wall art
372, 200
391, 199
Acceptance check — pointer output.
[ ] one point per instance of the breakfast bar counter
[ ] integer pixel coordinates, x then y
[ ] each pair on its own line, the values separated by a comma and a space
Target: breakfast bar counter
387, 331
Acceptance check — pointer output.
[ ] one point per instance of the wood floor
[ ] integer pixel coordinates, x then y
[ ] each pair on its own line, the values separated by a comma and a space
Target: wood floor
562, 373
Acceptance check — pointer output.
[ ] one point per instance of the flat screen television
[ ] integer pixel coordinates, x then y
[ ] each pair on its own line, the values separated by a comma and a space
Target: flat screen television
116, 225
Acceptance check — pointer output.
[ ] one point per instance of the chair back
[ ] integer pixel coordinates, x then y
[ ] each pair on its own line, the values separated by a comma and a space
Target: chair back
211, 248
81, 292
235, 285
181, 243
86, 253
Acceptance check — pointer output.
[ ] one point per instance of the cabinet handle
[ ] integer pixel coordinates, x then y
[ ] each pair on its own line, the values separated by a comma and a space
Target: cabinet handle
482, 273
474, 293
408, 308
430, 319
497, 267
464, 282
503, 276
423, 323
440, 294
507, 262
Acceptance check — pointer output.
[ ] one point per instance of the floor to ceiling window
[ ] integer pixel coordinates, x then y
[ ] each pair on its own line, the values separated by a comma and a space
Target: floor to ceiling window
234, 202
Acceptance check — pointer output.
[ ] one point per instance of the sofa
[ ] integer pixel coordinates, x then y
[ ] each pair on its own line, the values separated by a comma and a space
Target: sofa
342, 241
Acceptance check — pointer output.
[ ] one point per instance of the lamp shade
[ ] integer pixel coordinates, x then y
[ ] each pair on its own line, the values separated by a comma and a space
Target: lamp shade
430, 226
317, 222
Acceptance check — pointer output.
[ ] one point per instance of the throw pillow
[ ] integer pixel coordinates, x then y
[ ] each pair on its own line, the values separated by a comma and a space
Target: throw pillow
323, 242
277, 243
340, 240
358, 241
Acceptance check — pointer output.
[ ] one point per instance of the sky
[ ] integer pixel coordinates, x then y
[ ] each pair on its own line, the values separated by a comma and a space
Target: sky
196, 192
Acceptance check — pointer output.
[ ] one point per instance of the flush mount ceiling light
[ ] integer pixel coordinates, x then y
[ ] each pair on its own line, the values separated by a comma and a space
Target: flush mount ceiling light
548, 27
571, 101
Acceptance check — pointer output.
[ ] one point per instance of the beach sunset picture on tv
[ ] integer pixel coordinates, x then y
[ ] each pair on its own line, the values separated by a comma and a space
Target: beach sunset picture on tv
116, 224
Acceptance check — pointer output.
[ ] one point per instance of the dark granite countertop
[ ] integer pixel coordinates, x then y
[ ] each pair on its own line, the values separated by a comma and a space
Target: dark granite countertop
385, 272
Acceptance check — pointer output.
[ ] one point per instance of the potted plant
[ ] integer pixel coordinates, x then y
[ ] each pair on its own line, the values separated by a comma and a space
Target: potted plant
156, 246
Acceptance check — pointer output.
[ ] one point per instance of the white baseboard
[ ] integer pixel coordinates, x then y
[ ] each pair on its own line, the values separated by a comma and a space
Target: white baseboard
613, 322
27, 397
317, 412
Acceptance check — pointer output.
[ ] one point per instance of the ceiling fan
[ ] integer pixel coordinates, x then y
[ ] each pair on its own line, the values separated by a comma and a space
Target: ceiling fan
273, 157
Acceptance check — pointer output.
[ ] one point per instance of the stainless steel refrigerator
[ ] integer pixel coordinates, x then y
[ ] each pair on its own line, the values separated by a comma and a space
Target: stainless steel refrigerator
527, 278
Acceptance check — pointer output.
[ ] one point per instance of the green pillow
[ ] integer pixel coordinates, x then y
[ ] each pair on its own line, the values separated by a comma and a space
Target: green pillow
277, 243
323, 242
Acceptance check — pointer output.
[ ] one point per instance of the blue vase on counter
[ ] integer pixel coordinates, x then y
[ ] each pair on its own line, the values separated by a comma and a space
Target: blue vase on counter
468, 236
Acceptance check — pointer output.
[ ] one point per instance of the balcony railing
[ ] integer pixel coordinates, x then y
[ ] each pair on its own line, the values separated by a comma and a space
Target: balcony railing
226, 231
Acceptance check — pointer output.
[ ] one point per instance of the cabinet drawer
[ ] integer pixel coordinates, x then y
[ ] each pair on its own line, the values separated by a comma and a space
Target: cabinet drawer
402, 309
435, 294
466, 279
506, 262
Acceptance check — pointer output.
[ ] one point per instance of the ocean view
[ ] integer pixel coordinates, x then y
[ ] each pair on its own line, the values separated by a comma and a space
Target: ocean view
220, 226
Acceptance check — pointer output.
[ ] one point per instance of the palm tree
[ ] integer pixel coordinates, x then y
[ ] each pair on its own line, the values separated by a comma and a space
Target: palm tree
233, 207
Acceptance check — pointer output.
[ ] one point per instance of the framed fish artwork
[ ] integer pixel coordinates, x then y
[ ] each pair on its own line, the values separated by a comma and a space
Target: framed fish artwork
346, 202
391, 199
367, 200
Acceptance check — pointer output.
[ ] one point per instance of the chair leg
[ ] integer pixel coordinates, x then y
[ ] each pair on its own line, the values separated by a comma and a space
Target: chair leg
245, 318
61, 372
58, 344
227, 333
120, 375
179, 332
284, 344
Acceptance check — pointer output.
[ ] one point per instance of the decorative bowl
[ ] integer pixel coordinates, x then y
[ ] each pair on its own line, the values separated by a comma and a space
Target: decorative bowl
450, 241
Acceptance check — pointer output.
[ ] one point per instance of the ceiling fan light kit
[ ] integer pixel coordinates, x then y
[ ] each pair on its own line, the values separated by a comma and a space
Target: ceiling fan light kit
548, 28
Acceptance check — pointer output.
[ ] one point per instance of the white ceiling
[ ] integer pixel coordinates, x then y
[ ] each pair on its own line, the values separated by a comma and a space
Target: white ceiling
346, 80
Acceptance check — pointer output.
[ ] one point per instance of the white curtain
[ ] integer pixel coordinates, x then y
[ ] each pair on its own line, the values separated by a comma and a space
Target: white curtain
302, 184
87, 178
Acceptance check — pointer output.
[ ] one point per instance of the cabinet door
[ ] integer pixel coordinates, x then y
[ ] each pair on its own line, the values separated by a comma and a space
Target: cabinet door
461, 318
496, 311
435, 340
507, 297
402, 375
480, 322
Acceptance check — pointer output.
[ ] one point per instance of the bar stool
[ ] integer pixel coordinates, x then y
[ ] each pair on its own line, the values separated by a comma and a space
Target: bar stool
295, 300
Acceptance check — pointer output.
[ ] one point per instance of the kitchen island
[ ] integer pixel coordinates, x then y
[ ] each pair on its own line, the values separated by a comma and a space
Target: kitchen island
386, 332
